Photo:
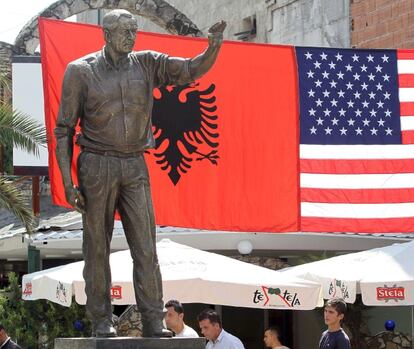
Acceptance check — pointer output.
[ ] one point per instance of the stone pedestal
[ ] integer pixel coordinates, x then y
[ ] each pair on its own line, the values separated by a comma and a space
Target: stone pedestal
130, 343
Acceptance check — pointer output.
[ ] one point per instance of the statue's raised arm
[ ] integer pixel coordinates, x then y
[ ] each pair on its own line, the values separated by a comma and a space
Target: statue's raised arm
202, 63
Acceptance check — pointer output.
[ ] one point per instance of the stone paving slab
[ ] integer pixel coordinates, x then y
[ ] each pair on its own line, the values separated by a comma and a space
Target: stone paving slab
130, 343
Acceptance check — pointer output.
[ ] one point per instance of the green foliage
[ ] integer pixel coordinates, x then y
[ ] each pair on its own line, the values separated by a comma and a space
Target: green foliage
8, 158
309, 258
35, 324
13, 200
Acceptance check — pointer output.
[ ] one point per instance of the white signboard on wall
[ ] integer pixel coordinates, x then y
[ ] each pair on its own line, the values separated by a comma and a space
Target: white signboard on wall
28, 99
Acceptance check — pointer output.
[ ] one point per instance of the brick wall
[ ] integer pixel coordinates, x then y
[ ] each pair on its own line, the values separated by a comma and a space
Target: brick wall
382, 23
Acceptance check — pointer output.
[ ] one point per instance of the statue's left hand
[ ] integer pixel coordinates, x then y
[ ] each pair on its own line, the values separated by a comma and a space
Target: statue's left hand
215, 33
75, 198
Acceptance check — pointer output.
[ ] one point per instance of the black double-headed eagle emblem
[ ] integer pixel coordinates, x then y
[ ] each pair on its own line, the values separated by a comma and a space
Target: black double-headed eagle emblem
185, 128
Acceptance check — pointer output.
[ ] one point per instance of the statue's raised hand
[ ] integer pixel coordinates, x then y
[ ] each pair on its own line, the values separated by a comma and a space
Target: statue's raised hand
217, 28
215, 33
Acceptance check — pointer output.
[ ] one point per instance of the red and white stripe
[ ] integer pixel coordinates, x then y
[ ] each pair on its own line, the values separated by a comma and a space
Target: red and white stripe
363, 188
406, 93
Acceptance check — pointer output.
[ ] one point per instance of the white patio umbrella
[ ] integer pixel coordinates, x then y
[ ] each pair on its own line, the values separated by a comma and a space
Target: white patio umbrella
384, 276
189, 275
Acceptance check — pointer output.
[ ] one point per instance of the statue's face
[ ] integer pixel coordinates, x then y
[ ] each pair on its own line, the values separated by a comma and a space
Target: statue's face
122, 38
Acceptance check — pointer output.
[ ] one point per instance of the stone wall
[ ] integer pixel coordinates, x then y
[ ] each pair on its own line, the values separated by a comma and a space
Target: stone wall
296, 22
309, 22
129, 323
6, 52
266, 262
239, 15
389, 340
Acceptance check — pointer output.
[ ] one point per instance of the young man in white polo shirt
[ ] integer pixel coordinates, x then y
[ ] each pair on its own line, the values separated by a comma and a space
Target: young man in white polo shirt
218, 338
174, 319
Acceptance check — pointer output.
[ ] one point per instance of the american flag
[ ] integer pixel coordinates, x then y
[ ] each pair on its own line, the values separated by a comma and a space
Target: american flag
356, 140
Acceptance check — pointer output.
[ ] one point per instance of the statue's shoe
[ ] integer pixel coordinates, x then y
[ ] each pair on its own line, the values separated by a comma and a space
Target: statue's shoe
164, 333
157, 332
105, 329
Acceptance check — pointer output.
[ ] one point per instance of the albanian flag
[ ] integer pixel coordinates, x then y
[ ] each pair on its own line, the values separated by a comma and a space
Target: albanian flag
226, 156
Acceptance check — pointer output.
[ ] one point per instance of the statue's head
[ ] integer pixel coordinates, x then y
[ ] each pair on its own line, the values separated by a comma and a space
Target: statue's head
120, 28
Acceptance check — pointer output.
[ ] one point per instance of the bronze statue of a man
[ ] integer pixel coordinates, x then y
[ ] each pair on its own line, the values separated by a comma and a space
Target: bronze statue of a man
110, 93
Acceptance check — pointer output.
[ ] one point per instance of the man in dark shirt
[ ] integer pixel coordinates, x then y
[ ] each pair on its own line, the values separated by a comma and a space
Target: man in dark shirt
5, 341
110, 92
334, 337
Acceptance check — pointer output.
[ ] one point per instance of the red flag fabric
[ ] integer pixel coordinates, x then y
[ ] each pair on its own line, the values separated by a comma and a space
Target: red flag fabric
234, 169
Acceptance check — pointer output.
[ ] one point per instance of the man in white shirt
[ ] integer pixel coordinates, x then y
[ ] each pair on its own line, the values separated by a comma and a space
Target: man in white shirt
174, 319
211, 328
272, 338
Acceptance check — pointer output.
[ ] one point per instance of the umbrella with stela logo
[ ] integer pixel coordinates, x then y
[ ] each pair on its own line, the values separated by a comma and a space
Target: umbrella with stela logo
383, 276
189, 275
